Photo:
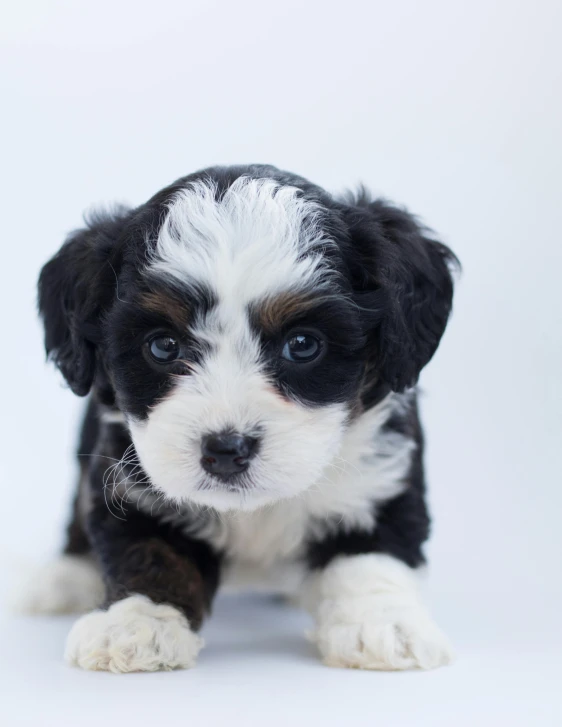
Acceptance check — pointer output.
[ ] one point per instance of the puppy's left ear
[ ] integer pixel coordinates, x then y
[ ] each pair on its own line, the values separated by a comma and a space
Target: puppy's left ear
404, 285
75, 287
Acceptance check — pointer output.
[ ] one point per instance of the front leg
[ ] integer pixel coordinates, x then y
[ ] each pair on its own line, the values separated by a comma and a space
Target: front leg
159, 585
369, 615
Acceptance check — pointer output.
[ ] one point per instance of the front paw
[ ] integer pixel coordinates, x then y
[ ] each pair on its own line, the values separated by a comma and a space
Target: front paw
379, 634
134, 634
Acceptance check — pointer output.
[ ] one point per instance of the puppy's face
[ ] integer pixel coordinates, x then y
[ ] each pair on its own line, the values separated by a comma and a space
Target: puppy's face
240, 321
238, 351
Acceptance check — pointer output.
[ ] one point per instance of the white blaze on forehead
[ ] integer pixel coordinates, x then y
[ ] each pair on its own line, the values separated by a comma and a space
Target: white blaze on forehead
259, 238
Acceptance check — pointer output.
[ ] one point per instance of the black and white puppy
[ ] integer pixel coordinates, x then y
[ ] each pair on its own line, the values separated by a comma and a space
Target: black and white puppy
251, 344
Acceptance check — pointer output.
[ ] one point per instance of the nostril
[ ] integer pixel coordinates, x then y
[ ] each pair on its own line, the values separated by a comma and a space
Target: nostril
227, 453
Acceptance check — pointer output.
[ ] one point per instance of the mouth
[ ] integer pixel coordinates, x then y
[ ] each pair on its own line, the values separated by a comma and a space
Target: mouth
233, 492
225, 483
230, 495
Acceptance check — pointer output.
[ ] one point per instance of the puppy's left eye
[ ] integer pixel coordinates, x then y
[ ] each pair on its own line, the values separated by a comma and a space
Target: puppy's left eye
301, 348
164, 349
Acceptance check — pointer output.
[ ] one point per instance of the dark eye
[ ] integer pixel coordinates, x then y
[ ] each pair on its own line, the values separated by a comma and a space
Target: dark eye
164, 349
301, 348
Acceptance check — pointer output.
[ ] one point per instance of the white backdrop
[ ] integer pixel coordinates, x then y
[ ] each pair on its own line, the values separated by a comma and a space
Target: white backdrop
452, 108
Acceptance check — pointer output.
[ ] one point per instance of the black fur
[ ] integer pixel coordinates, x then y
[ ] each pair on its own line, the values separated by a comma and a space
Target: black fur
402, 522
338, 375
75, 289
386, 317
405, 276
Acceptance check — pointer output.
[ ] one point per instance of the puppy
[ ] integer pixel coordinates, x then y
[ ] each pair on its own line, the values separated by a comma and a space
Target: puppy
250, 345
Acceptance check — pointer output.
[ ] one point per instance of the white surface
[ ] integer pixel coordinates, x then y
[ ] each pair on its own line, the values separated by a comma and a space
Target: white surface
450, 107
257, 669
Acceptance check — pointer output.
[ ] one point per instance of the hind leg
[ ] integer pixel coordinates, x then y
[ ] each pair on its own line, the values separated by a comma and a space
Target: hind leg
69, 584
72, 582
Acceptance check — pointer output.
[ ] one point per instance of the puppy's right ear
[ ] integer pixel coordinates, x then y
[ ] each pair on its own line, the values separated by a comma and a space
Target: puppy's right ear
75, 287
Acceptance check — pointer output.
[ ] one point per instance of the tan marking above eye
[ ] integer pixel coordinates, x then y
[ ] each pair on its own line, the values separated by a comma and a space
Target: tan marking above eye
274, 313
166, 305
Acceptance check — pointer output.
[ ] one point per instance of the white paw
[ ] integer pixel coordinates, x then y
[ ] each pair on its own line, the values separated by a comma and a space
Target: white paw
377, 632
134, 634
369, 616
70, 584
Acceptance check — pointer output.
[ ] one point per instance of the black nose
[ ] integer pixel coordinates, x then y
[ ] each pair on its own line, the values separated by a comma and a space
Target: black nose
227, 454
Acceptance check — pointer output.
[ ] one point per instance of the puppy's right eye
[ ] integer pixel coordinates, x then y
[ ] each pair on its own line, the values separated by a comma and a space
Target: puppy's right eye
164, 349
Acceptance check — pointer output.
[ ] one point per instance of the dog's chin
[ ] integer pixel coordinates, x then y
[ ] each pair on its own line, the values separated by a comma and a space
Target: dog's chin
226, 496
232, 500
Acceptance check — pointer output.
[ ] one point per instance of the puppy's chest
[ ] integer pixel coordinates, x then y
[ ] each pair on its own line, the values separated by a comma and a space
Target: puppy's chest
255, 540
264, 536
261, 537
264, 550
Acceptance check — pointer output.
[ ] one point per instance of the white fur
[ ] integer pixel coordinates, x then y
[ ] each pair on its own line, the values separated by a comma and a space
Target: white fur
169, 441
369, 467
369, 616
263, 545
70, 584
134, 634
314, 472
246, 247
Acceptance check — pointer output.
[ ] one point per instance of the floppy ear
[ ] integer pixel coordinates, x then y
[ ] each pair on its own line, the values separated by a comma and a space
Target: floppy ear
75, 287
404, 285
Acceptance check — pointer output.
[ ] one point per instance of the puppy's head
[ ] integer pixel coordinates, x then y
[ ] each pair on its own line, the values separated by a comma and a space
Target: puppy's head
239, 320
